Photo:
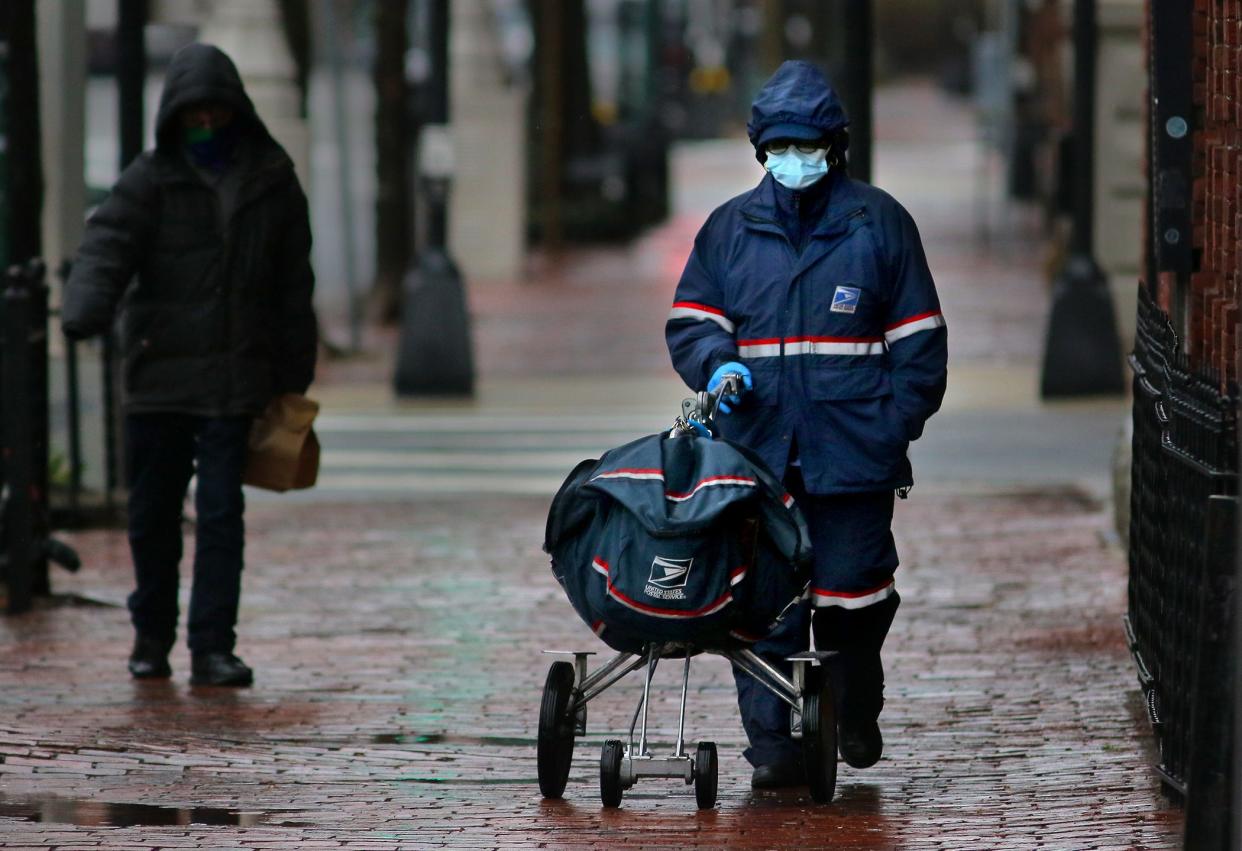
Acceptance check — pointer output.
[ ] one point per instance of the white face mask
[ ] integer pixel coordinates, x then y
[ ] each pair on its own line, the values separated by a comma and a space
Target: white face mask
795, 169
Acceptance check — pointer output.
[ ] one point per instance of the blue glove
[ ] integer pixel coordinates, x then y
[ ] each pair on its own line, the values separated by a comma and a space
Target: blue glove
730, 368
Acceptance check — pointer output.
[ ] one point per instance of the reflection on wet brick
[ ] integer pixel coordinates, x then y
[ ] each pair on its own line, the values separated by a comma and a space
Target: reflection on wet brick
398, 674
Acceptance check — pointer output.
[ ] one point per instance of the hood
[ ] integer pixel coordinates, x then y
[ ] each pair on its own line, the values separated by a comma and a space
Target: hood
200, 72
797, 102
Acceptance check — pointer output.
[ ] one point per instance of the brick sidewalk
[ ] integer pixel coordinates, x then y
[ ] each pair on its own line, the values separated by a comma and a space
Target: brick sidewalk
397, 650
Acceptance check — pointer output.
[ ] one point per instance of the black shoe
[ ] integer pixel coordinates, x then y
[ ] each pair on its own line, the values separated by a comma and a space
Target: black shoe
778, 775
219, 669
861, 745
858, 687
149, 659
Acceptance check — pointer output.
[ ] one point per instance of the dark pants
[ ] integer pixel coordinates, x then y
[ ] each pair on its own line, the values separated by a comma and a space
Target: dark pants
853, 603
163, 452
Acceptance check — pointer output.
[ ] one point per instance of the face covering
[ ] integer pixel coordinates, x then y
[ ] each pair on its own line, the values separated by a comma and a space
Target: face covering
210, 148
796, 170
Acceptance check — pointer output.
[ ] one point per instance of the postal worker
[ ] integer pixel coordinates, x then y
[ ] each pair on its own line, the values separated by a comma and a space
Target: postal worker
814, 288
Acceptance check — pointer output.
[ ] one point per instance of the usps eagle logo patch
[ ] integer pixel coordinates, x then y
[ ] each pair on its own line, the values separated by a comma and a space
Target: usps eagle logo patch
668, 578
845, 300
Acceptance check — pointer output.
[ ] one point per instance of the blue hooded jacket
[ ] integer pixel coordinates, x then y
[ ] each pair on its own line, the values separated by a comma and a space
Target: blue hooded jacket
826, 296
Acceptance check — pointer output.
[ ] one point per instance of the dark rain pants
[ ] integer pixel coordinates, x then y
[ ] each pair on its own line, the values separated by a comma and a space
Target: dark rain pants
163, 451
854, 558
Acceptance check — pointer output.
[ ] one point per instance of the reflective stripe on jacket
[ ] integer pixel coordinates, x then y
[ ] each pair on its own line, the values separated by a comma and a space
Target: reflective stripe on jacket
845, 338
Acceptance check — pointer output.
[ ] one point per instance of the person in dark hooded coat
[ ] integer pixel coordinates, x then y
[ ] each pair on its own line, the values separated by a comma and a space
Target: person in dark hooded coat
815, 288
203, 247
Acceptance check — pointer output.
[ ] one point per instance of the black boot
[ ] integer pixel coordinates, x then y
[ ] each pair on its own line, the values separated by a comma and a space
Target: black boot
857, 675
859, 687
219, 669
149, 659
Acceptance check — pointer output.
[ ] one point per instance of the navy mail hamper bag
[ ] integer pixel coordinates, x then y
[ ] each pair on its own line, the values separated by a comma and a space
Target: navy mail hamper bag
678, 538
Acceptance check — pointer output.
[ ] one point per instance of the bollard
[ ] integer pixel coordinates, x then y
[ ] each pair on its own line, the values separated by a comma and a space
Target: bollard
434, 357
1082, 352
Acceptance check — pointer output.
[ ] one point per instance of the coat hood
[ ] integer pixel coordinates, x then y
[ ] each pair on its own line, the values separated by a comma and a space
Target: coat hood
200, 72
797, 102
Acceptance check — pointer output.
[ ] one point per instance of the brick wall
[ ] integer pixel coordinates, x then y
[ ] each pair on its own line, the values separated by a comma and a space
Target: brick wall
1212, 307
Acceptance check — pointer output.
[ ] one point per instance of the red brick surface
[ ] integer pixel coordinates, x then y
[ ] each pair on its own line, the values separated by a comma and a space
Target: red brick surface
1218, 169
398, 675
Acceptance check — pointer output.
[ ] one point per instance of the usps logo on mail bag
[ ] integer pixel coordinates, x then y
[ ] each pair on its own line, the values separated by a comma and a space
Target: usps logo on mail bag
845, 300
668, 578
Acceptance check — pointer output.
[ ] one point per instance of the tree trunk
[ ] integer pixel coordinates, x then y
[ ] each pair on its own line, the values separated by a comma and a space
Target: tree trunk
563, 127
393, 211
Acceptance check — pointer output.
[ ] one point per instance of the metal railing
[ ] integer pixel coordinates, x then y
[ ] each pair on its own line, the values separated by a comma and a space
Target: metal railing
1182, 561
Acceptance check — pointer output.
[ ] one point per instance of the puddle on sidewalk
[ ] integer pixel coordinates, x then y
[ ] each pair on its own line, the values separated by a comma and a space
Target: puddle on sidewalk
102, 814
473, 781
448, 739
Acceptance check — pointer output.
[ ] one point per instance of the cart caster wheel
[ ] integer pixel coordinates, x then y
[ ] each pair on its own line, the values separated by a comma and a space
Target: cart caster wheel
706, 775
610, 773
556, 730
819, 736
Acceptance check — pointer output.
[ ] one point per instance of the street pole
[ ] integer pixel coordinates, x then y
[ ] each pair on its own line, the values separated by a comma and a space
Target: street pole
344, 170
1082, 353
434, 357
551, 60
131, 77
857, 81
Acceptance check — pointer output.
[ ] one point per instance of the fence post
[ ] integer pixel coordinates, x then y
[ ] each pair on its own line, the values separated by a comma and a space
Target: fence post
1209, 795
17, 443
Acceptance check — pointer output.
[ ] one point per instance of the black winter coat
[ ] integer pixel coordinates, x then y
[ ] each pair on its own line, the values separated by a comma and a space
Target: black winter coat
220, 317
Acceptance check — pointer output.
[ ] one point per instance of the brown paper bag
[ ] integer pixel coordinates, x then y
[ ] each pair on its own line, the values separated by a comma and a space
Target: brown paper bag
284, 452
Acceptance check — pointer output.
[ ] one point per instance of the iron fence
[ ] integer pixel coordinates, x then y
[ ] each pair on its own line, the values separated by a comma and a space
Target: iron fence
23, 433
28, 511
1182, 571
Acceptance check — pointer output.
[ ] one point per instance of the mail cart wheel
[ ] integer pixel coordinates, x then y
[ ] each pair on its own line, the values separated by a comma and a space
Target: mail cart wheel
819, 736
556, 730
706, 775
610, 773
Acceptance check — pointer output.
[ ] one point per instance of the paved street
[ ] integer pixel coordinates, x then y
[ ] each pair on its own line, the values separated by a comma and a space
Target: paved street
395, 615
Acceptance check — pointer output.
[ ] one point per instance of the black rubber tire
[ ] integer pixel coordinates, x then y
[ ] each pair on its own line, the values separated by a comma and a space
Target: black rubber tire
556, 730
706, 775
819, 736
610, 758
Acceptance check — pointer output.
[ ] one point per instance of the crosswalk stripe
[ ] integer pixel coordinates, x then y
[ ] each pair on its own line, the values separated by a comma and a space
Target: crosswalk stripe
389, 455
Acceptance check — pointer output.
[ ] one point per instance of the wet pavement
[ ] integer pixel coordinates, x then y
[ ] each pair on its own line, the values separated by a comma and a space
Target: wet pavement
397, 650
395, 618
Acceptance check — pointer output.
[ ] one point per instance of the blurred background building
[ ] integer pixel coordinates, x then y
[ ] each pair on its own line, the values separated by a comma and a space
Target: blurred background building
563, 114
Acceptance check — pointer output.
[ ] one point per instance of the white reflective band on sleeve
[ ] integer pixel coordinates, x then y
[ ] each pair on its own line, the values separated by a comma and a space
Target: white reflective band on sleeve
851, 599
690, 310
914, 325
